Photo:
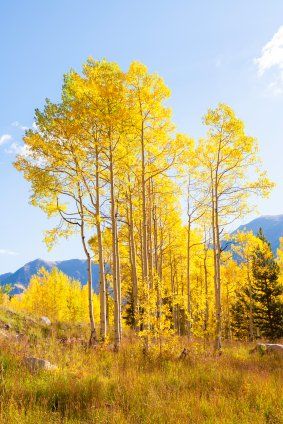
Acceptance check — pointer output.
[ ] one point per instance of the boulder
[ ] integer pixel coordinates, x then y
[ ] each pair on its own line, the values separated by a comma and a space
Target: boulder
45, 321
277, 348
37, 364
268, 348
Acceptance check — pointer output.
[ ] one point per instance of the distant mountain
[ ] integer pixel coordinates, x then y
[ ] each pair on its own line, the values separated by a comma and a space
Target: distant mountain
74, 268
3, 277
272, 226
77, 268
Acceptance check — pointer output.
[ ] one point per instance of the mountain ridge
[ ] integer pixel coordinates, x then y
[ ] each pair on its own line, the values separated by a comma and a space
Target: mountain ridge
74, 268
272, 226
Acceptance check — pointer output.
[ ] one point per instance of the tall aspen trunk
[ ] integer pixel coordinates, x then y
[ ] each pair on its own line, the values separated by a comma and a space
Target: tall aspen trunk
217, 279
160, 267
228, 318
132, 278
149, 233
93, 335
155, 239
119, 281
102, 280
144, 231
206, 313
172, 281
144, 214
117, 338
141, 247
107, 298
156, 264
178, 318
251, 312
132, 253
189, 300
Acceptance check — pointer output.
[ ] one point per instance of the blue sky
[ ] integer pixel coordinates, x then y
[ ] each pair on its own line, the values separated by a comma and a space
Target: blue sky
205, 50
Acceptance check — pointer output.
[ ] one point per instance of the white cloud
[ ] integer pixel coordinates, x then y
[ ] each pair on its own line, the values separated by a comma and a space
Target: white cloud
20, 126
7, 252
18, 149
4, 138
272, 59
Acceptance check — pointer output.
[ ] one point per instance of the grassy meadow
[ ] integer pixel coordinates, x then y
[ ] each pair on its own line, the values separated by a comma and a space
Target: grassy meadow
101, 386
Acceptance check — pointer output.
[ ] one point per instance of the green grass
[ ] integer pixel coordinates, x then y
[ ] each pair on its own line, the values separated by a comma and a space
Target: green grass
100, 386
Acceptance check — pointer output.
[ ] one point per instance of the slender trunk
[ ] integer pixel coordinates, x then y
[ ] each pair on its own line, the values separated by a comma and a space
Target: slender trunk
119, 281
251, 312
229, 329
189, 301
81, 211
93, 335
107, 298
117, 338
102, 282
155, 239
206, 314
144, 233
144, 214
132, 253
160, 268
172, 280
217, 278
155, 262
177, 294
149, 233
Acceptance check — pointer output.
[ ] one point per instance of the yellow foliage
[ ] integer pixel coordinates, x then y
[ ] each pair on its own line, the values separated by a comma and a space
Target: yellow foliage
55, 295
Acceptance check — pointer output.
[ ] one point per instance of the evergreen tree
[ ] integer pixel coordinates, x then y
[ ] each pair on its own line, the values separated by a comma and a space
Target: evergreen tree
258, 303
266, 292
240, 314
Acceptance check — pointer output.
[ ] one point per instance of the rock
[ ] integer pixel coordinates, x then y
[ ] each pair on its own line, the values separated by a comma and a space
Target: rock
37, 364
268, 348
277, 348
45, 320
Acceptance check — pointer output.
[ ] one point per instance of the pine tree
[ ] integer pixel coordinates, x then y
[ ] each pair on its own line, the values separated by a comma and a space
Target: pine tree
266, 292
240, 312
261, 296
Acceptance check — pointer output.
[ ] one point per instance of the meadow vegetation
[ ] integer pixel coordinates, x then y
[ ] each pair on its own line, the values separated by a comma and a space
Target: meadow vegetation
99, 385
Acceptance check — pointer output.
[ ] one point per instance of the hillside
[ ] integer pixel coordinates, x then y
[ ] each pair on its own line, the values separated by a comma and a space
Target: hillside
272, 226
74, 268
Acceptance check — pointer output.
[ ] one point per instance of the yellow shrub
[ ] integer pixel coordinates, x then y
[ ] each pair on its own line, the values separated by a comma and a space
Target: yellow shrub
55, 295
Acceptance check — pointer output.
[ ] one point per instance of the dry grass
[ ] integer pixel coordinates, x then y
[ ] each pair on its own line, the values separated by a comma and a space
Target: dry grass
100, 386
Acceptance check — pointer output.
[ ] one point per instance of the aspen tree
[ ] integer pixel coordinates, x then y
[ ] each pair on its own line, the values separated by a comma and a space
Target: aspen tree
227, 157
53, 168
